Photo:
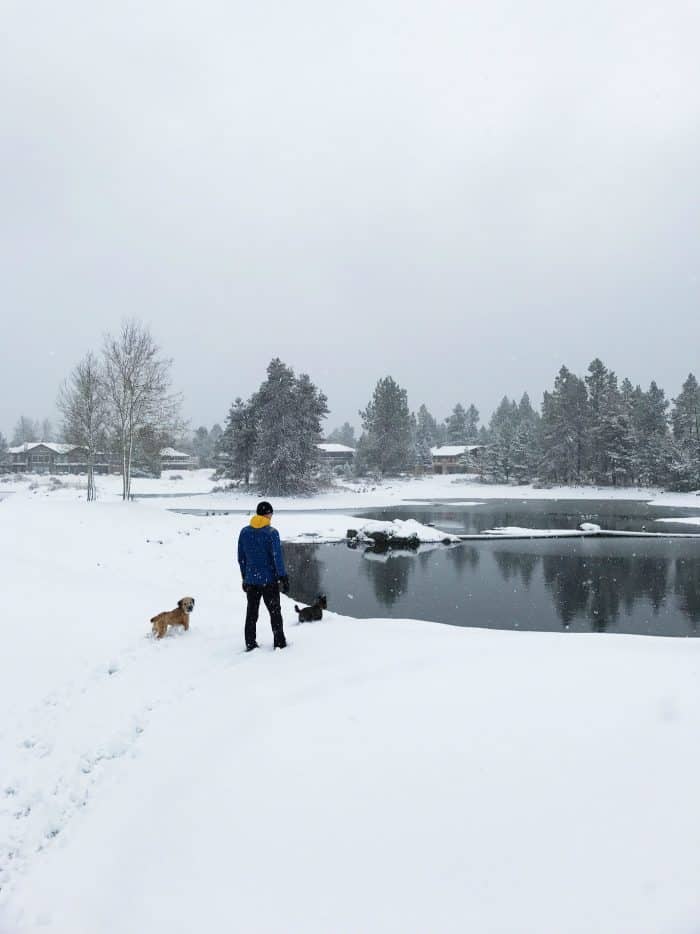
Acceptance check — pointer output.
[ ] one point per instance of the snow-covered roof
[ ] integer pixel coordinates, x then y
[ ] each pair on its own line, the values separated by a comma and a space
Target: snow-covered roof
336, 448
454, 450
51, 445
171, 452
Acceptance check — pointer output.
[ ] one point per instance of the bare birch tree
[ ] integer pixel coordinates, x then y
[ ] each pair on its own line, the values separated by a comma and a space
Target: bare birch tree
137, 389
82, 403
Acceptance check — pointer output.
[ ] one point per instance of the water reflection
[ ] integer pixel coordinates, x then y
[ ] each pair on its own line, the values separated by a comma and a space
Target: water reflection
519, 567
687, 588
389, 574
546, 584
463, 557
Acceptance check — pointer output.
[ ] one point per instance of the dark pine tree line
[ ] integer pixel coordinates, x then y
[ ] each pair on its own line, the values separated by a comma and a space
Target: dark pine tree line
596, 429
590, 429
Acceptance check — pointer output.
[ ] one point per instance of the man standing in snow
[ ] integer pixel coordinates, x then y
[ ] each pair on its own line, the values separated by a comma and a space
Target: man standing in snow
262, 568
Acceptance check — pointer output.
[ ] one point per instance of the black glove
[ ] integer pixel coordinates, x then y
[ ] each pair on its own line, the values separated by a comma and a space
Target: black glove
284, 584
244, 586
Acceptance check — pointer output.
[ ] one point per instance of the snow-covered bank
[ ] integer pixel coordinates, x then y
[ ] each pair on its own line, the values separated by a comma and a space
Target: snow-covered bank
376, 776
687, 520
195, 488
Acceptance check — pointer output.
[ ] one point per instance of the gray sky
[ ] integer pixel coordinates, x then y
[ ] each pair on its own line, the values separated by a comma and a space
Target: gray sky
462, 195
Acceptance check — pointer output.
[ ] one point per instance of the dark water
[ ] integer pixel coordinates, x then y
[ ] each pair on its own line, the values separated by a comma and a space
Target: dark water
649, 587
622, 515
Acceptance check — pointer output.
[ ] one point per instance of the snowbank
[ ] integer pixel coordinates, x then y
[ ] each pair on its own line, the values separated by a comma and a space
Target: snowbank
516, 531
402, 529
377, 776
685, 520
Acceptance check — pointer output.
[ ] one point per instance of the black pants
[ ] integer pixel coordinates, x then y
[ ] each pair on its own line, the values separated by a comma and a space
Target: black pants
271, 595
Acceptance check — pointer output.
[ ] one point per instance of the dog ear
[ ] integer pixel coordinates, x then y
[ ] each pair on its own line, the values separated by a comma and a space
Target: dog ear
179, 603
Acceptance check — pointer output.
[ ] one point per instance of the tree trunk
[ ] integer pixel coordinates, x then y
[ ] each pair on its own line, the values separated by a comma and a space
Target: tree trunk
128, 465
124, 486
91, 477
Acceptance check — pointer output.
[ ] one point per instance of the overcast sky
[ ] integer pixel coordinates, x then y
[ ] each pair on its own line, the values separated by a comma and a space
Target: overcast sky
464, 195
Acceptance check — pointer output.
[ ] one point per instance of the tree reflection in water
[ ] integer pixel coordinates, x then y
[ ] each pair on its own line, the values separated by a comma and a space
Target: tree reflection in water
597, 586
687, 588
463, 557
389, 573
518, 566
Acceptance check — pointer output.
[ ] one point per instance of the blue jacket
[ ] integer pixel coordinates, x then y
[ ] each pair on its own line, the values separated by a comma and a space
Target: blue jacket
260, 555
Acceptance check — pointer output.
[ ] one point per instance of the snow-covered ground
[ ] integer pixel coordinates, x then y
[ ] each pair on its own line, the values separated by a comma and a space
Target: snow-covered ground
377, 776
188, 489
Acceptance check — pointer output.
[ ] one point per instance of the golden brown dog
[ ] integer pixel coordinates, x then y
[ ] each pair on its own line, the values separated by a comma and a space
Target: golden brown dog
177, 617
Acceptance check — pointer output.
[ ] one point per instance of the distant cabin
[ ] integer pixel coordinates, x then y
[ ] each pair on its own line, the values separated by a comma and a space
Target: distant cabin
170, 459
336, 454
50, 457
457, 458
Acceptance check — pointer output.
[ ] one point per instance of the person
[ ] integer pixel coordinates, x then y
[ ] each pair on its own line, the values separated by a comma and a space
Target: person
263, 572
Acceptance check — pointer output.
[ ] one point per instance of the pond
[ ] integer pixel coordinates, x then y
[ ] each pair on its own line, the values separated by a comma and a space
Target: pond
643, 586
648, 587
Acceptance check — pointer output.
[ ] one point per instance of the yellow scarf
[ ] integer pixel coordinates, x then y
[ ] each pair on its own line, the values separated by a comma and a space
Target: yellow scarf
259, 522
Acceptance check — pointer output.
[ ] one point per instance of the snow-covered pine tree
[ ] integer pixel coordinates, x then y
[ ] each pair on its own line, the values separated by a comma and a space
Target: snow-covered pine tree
427, 426
288, 415
683, 467
472, 424
597, 385
425, 438
525, 453
202, 446
311, 408
502, 430
343, 435
651, 440
149, 441
215, 436
386, 444
564, 423
614, 437
685, 419
457, 425
424, 457
236, 446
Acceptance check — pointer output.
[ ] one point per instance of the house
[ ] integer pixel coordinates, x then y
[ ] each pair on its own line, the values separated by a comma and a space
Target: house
51, 457
335, 455
457, 458
170, 459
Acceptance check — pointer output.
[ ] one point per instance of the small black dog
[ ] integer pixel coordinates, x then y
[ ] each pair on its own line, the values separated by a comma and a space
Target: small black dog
309, 613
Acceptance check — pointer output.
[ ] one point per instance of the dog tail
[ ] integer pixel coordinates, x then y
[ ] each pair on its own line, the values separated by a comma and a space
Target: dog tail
153, 619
